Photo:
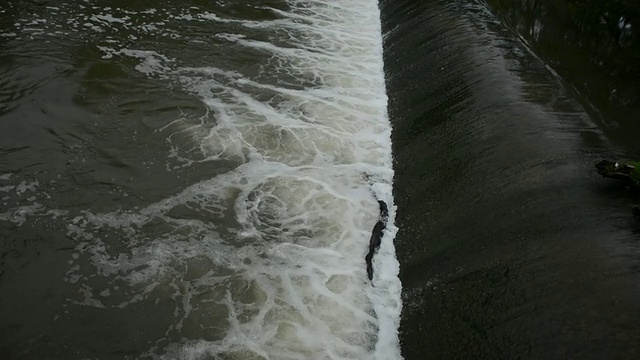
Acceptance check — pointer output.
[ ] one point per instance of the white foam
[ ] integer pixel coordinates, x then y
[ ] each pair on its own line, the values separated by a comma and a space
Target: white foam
20, 214
109, 18
337, 127
23, 187
152, 62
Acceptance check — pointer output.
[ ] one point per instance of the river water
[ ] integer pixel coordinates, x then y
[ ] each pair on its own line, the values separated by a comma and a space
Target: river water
199, 180
194, 179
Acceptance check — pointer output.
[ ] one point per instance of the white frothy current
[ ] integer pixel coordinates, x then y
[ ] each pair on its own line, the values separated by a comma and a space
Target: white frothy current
303, 186
265, 261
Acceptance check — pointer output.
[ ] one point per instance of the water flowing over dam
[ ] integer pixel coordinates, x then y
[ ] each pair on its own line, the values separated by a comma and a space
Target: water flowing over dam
510, 244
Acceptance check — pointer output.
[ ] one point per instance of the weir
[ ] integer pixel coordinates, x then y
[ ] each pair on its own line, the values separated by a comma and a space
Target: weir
509, 243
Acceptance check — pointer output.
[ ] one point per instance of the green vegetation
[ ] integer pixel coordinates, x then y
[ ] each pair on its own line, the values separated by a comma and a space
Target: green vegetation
635, 174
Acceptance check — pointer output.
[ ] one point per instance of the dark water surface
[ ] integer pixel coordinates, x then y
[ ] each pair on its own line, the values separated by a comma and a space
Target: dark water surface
194, 180
510, 245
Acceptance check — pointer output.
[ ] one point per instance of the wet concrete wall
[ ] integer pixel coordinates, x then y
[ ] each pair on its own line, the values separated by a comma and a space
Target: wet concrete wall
510, 245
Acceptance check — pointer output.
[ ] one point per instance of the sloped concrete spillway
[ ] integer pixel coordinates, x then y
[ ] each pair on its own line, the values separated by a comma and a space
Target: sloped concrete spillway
510, 244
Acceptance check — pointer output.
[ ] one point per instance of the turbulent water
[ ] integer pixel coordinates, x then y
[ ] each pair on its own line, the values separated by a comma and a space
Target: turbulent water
194, 180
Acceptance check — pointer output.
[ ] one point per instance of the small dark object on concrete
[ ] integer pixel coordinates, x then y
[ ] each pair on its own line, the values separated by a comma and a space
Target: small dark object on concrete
620, 171
615, 170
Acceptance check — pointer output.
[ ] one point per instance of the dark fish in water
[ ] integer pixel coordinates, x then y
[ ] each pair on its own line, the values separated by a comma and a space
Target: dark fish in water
376, 236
